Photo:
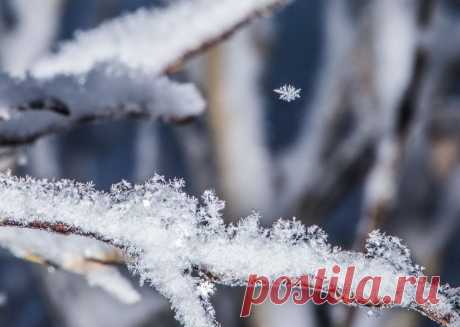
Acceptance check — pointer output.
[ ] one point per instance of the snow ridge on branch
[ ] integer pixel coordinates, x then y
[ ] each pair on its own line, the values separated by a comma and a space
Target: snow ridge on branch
176, 242
155, 39
32, 107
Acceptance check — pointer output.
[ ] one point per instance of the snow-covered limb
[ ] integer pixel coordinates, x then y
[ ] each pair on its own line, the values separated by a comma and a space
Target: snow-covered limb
33, 107
155, 40
176, 242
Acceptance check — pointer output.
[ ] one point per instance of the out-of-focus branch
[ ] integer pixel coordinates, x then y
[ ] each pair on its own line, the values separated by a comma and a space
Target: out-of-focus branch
270, 7
237, 124
98, 263
434, 146
156, 40
37, 25
32, 108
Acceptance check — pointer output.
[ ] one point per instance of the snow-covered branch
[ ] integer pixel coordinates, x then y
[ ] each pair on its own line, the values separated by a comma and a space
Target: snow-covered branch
33, 107
176, 243
155, 40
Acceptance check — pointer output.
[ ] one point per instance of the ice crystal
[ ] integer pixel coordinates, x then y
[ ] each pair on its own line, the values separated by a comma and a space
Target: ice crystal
288, 93
206, 289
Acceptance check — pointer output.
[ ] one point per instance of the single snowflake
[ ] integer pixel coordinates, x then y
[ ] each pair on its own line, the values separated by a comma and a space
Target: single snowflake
288, 93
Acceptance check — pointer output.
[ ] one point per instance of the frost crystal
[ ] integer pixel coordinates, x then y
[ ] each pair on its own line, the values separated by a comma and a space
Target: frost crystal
288, 93
393, 250
206, 289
